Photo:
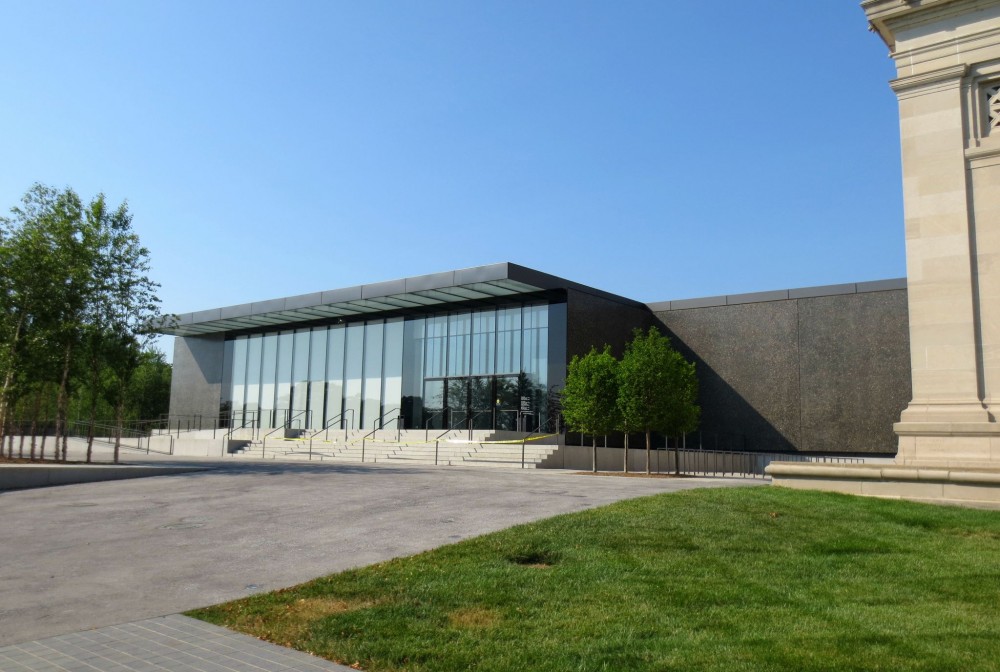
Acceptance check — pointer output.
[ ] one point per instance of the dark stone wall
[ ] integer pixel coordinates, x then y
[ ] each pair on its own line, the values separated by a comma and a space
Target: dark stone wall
196, 383
826, 374
854, 363
592, 321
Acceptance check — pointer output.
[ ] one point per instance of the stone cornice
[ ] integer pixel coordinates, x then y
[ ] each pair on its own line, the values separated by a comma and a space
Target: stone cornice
905, 13
985, 156
943, 78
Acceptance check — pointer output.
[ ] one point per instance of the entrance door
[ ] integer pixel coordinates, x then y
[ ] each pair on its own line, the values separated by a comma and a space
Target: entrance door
434, 408
507, 400
481, 400
458, 402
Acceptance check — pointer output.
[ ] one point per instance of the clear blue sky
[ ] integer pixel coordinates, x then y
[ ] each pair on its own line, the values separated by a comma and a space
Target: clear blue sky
659, 150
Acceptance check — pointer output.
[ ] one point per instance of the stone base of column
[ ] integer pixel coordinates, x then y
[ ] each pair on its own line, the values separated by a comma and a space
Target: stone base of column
949, 444
965, 486
942, 413
954, 461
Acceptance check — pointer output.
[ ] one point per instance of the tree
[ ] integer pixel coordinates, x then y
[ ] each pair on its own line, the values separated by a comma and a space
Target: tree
43, 285
657, 389
589, 398
76, 307
149, 391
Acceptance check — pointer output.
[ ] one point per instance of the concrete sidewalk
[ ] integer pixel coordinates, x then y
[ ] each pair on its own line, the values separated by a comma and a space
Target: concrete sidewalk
77, 561
166, 644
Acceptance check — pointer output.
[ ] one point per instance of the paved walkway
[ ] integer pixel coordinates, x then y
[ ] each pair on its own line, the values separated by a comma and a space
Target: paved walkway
168, 644
77, 561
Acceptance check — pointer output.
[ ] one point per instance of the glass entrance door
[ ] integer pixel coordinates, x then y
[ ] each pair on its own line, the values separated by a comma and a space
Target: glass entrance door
507, 400
458, 402
434, 408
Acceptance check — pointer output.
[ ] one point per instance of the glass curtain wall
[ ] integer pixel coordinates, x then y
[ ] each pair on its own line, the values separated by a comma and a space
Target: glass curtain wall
487, 368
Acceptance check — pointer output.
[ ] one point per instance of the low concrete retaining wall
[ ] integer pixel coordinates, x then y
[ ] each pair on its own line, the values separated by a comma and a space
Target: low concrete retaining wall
22, 476
943, 484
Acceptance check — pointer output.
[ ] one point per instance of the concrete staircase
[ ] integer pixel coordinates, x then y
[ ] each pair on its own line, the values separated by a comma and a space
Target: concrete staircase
453, 448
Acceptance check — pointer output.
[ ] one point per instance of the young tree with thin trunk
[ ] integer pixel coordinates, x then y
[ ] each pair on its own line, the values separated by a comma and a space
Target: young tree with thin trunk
75, 280
589, 398
657, 389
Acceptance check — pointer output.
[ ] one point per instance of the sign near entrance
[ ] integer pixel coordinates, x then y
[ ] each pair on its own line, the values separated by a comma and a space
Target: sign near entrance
526, 404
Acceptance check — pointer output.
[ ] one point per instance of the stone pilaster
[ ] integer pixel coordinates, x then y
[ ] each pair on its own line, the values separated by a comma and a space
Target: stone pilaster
947, 54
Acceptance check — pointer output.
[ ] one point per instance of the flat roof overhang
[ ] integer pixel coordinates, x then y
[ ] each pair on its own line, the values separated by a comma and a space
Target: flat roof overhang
422, 292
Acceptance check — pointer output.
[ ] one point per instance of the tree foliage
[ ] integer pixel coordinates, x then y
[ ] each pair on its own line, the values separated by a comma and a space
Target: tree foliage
590, 397
652, 389
657, 389
76, 308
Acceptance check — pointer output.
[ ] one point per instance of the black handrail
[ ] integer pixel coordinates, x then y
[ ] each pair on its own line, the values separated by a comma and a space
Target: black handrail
379, 420
427, 425
329, 424
472, 420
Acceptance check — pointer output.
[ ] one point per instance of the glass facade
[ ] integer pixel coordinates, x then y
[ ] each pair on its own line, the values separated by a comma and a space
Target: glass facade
495, 368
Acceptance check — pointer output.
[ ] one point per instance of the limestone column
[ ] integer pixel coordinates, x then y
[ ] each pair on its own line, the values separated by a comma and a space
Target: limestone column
947, 55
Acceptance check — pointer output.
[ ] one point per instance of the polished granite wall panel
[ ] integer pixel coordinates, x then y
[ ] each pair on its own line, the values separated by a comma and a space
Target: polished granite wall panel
746, 357
854, 370
823, 374
593, 321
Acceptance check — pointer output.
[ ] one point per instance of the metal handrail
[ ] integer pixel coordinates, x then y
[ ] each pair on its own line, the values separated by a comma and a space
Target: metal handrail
399, 418
427, 425
289, 418
254, 426
263, 445
538, 430
472, 420
380, 419
114, 432
329, 424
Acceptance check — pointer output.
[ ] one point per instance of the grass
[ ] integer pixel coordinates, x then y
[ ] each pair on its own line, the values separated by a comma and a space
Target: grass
726, 579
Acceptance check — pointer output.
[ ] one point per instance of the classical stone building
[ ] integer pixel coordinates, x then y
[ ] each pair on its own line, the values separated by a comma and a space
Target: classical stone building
947, 55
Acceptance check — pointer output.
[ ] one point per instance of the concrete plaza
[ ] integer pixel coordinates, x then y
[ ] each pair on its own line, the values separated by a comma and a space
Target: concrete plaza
86, 556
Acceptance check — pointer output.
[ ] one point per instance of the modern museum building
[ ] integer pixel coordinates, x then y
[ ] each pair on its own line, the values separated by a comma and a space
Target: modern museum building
488, 347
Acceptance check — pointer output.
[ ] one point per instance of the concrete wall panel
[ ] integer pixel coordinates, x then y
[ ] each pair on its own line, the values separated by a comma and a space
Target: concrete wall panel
196, 383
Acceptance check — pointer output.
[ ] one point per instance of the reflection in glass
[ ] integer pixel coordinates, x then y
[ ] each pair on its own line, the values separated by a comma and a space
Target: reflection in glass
436, 344
372, 408
481, 402
434, 404
300, 379
509, 339
254, 351
392, 369
335, 380
413, 373
457, 402
226, 396
484, 327
317, 376
459, 330
354, 348
491, 367
268, 372
238, 396
283, 379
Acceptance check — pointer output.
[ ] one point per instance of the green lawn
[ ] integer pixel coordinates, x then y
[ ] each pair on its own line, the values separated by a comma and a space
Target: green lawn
727, 579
